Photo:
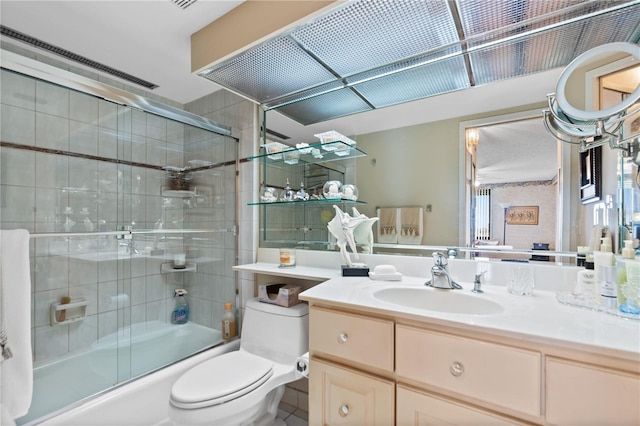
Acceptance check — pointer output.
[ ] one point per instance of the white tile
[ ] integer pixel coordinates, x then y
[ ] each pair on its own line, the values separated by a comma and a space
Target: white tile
17, 125
107, 143
83, 138
51, 342
18, 167
294, 420
83, 108
17, 90
52, 99
108, 115
52, 132
52, 171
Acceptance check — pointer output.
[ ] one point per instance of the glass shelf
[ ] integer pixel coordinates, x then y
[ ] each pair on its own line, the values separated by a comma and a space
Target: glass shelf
331, 151
323, 201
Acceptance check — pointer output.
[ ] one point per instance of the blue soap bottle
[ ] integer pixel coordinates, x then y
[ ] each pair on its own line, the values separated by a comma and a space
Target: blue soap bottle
180, 314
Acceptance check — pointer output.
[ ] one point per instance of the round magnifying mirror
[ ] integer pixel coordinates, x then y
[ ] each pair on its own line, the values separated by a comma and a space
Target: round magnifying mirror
570, 87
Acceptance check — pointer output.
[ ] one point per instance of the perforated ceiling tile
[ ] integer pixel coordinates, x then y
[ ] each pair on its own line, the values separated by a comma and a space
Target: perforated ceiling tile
416, 83
553, 48
325, 107
371, 33
275, 69
479, 17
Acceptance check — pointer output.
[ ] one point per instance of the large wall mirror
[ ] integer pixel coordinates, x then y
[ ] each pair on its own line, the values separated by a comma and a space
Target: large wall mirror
461, 173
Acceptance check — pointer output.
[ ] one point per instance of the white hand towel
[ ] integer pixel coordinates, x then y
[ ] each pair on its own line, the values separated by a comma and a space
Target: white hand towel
16, 373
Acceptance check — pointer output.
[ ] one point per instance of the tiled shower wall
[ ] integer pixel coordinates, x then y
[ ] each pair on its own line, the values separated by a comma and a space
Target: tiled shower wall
42, 191
241, 116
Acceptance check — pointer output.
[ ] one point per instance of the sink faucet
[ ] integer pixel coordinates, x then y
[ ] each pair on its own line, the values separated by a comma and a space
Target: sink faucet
128, 243
440, 273
477, 283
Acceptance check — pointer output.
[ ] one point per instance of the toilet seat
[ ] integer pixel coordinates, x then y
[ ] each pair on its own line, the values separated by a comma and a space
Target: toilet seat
220, 380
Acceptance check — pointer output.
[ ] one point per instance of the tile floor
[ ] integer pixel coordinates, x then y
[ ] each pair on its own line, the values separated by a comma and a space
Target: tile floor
292, 419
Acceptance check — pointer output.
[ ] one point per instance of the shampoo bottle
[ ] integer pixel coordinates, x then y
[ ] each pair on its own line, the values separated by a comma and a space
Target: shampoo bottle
228, 323
180, 314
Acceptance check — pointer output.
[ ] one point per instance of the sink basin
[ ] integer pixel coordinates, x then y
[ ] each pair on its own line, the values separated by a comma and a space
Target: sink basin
430, 299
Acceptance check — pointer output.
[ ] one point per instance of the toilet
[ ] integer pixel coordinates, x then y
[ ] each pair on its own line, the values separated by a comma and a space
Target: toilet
244, 387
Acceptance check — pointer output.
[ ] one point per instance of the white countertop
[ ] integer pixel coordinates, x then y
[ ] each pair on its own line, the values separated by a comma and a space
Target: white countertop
538, 318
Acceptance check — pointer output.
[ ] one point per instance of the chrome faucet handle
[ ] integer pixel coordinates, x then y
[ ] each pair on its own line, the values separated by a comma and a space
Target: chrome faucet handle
477, 283
439, 259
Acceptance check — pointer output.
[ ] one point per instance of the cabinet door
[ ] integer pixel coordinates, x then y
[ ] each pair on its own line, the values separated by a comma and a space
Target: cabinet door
341, 396
501, 375
579, 394
367, 341
416, 408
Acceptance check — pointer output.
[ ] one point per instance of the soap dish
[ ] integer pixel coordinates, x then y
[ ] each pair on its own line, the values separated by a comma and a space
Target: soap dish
397, 276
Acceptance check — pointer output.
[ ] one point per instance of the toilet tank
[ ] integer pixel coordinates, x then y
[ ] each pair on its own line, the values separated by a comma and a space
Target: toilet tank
275, 332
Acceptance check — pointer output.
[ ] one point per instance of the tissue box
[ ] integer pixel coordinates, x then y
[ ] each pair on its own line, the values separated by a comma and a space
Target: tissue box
279, 294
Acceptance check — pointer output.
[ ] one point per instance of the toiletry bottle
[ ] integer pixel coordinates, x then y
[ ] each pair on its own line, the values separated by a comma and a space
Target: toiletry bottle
600, 260
609, 288
605, 244
628, 252
180, 313
581, 256
228, 323
629, 292
586, 287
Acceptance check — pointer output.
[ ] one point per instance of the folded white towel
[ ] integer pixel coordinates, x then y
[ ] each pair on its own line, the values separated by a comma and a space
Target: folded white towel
16, 372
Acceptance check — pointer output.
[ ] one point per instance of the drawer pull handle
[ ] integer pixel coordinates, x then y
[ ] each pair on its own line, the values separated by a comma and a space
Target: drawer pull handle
344, 410
343, 337
456, 369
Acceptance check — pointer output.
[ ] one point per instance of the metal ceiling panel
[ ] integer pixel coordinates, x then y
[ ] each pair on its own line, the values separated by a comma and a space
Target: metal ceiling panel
553, 48
504, 18
325, 107
394, 51
272, 70
371, 33
415, 83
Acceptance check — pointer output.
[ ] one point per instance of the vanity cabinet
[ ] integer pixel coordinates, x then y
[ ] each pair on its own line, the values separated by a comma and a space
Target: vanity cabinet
421, 408
583, 394
386, 369
303, 222
349, 397
502, 376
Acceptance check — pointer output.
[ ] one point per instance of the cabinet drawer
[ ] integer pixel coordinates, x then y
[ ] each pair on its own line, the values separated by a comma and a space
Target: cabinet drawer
586, 395
422, 409
341, 396
363, 340
501, 375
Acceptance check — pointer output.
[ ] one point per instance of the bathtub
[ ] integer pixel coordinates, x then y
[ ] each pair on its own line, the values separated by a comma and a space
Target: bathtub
71, 390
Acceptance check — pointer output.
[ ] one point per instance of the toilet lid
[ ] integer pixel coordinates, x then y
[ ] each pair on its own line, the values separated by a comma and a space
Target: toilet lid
220, 379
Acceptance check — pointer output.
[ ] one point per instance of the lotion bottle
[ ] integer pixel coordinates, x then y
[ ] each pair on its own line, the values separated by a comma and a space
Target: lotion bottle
609, 288
628, 251
228, 323
586, 280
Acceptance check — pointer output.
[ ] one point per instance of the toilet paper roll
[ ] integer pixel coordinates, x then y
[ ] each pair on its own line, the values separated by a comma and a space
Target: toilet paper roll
302, 365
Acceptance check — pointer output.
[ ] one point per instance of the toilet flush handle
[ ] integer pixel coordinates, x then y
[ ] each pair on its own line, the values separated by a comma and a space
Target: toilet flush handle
343, 337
